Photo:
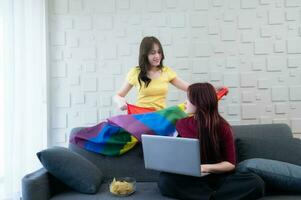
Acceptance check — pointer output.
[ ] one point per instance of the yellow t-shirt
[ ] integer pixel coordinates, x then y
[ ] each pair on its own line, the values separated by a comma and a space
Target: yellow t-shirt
154, 96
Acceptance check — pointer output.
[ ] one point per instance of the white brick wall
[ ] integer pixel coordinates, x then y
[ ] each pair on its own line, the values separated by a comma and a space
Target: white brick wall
251, 46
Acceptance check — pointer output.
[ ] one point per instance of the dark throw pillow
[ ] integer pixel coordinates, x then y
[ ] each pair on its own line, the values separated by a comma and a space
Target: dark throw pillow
276, 174
72, 169
281, 149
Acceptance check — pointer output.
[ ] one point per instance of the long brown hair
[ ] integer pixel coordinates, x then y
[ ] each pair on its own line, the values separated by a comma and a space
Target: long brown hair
203, 97
146, 46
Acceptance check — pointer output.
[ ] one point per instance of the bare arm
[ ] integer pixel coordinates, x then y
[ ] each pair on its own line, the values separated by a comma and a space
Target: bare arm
119, 98
180, 84
217, 168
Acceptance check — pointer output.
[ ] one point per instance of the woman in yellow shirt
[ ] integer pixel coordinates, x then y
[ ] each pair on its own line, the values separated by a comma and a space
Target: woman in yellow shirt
151, 77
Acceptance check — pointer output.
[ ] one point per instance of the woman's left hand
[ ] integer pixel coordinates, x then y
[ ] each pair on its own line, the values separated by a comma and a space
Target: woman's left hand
205, 168
218, 88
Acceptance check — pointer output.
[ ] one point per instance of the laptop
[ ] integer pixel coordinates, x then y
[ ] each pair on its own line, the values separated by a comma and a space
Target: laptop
172, 154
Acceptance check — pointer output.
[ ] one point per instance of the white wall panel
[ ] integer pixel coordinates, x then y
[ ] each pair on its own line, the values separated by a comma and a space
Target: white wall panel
251, 46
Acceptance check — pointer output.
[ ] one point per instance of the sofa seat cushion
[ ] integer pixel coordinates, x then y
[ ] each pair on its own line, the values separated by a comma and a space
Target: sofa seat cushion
281, 149
144, 190
282, 197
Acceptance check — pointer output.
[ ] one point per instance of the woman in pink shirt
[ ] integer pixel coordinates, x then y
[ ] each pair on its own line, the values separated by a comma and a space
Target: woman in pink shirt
217, 153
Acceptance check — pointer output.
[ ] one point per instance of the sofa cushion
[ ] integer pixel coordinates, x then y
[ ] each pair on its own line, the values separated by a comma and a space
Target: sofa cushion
72, 169
144, 191
284, 149
276, 174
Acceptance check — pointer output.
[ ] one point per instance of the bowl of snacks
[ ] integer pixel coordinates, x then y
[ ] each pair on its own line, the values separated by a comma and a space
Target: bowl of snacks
123, 186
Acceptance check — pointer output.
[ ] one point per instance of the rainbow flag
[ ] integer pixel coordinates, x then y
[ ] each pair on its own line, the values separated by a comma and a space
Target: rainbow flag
121, 133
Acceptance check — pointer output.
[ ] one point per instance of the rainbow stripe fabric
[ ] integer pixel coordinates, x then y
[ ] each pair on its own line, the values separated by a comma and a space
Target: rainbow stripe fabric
121, 133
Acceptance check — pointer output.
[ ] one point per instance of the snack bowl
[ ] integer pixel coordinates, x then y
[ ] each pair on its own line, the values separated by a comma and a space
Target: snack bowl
122, 186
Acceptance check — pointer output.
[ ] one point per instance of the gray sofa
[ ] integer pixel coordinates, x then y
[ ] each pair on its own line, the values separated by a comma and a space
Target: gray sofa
40, 185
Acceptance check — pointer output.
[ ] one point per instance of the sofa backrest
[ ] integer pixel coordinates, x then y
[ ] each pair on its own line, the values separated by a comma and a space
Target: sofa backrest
132, 163
263, 131
263, 141
129, 164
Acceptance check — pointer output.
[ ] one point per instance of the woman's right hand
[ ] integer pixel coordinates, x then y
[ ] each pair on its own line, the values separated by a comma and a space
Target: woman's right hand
123, 107
121, 102
119, 97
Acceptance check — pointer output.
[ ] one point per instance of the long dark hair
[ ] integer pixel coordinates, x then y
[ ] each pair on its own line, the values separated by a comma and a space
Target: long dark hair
203, 97
146, 46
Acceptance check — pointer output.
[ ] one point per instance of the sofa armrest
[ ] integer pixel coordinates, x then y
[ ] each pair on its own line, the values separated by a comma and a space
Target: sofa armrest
40, 185
35, 186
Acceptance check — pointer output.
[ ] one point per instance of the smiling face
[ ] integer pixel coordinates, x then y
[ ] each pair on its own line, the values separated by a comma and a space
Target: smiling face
155, 56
